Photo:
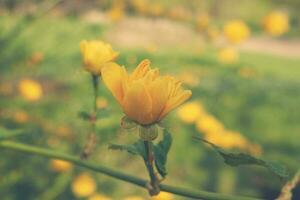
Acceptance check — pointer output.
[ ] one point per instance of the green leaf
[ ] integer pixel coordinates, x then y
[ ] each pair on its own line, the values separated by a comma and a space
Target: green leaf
7, 133
161, 152
136, 148
236, 159
277, 169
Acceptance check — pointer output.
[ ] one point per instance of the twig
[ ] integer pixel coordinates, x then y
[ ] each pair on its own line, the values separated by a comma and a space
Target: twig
196, 194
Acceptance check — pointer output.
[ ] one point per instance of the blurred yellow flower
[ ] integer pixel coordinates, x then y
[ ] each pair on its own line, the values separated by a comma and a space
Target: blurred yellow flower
163, 196
231, 139
116, 13
101, 102
21, 116
202, 21
155, 9
190, 112
145, 96
236, 31
60, 165
207, 124
140, 6
31, 90
96, 54
83, 185
98, 197
228, 56
276, 23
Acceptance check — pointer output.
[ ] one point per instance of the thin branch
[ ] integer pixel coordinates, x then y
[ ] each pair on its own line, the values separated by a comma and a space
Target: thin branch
91, 137
154, 183
197, 194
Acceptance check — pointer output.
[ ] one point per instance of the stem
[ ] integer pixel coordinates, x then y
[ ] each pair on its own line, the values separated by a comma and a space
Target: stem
91, 138
154, 182
197, 194
95, 80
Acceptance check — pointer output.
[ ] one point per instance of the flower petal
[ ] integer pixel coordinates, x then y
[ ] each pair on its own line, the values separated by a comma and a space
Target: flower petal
175, 101
137, 103
141, 70
113, 76
157, 90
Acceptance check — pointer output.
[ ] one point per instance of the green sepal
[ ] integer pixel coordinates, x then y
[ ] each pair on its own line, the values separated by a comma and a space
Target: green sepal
148, 133
127, 123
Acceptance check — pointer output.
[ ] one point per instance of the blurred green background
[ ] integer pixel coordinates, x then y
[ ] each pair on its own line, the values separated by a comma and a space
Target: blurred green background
256, 94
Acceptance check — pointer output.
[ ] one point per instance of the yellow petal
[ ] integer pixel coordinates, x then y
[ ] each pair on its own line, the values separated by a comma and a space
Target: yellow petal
113, 77
159, 96
137, 103
175, 101
141, 69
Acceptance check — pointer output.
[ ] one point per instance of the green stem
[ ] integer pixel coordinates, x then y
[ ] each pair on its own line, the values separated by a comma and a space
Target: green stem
197, 194
91, 138
95, 80
154, 182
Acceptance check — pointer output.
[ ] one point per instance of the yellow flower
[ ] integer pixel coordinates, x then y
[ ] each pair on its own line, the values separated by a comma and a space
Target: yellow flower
99, 197
145, 96
207, 124
202, 21
116, 13
96, 54
155, 9
31, 90
163, 196
276, 23
233, 139
83, 185
140, 6
190, 112
236, 31
228, 55
60, 165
